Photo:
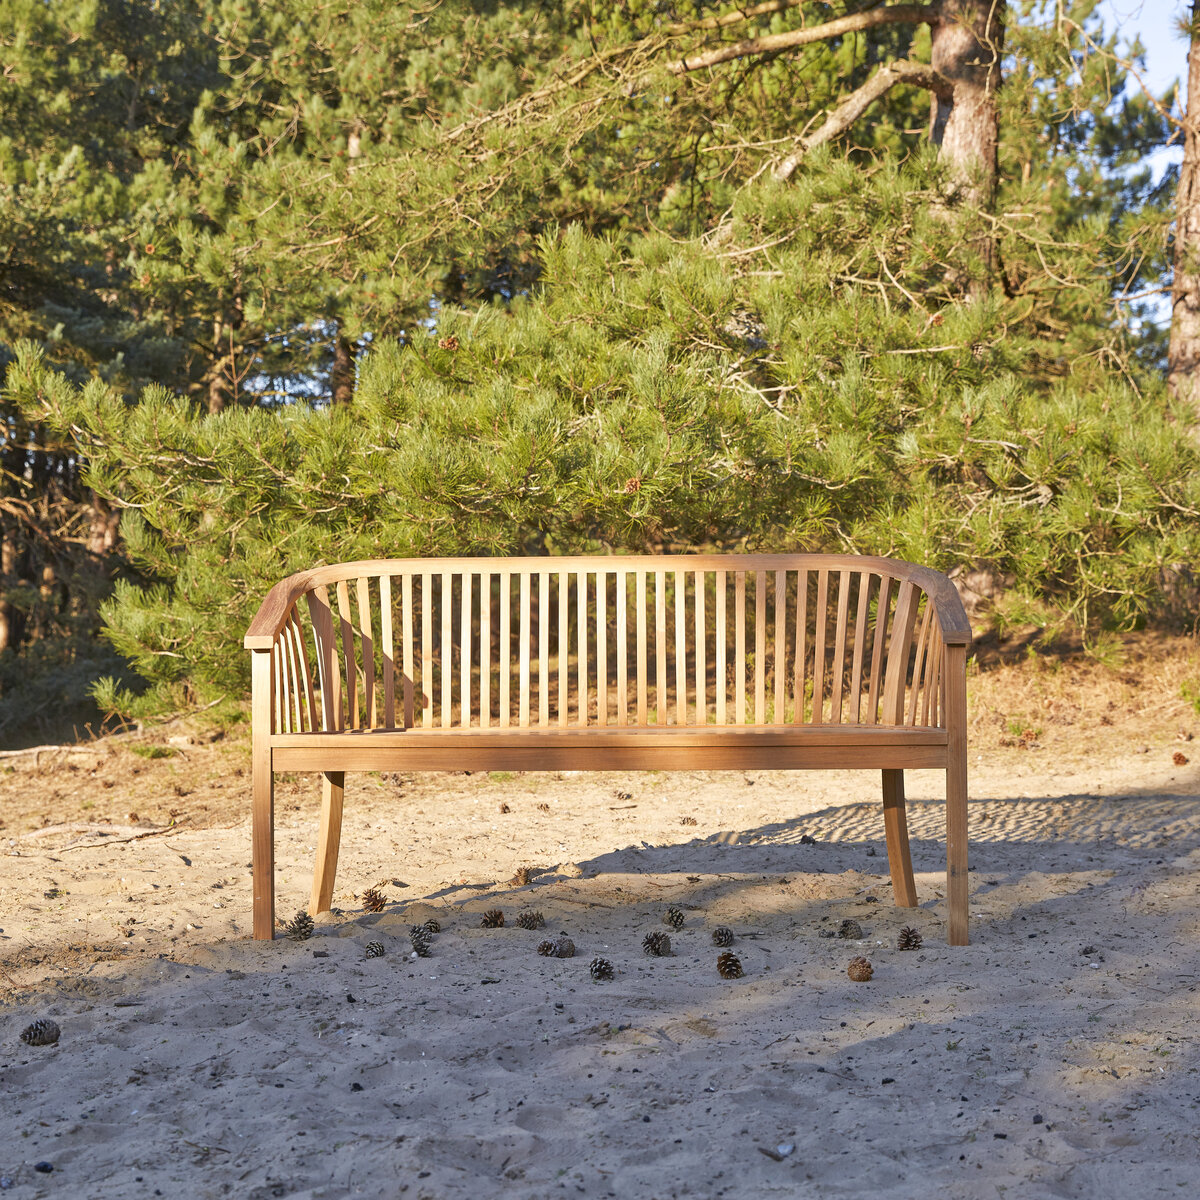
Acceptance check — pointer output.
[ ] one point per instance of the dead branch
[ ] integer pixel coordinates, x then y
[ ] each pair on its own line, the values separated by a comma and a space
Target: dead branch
859, 101
871, 18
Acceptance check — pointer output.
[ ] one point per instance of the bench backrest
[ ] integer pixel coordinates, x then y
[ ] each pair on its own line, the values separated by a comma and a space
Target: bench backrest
608, 641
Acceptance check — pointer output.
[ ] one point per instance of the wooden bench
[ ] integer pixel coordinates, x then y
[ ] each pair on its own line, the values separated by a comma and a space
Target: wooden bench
688, 662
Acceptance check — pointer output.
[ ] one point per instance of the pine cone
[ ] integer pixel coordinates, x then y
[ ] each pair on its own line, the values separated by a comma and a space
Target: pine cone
909, 939
564, 947
687, 820
523, 877
41, 1033
546, 949
530, 918
860, 969
374, 949
493, 919
722, 936
433, 925
674, 917
729, 966
421, 940
850, 930
373, 900
656, 944
300, 927
601, 969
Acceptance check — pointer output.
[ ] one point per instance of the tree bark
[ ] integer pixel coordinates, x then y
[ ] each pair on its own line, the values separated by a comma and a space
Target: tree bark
8, 565
341, 377
1183, 350
968, 38
103, 523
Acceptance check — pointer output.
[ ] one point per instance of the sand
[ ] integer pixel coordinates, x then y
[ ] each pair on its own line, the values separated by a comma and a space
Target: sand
1055, 1056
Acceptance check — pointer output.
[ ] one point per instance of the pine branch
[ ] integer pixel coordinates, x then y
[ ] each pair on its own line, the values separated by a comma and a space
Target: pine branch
740, 14
871, 18
859, 101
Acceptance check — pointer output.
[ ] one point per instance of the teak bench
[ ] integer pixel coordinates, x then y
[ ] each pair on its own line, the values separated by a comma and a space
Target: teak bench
690, 662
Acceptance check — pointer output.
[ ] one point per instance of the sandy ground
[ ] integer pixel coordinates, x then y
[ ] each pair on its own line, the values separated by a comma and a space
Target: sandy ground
1055, 1056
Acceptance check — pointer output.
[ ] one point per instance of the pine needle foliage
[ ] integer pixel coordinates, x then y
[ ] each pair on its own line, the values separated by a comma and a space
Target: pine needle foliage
813, 381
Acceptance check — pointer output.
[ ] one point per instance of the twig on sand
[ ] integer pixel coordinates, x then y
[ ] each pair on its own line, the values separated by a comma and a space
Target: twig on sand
107, 833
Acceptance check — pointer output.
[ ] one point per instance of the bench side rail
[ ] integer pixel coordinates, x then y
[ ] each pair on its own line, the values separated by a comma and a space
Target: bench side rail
539, 643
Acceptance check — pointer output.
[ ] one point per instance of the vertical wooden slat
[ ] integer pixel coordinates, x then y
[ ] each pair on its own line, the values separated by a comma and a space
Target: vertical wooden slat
406, 637
485, 650
388, 652
920, 665
302, 655
526, 614
899, 645
363, 596
739, 647
544, 649
278, 691
881, 620
642, 668
819, 622
564, 644
760, 647
681, 693
602, 648
860, 641
504, 654
466, 629
701, 657
447, 692
622, 648
660, 643
426, 650
293, 652
933, 661
321, 617
839, 648
348, 655
283, 651
801, 643
722, 635
780, 715
581, 644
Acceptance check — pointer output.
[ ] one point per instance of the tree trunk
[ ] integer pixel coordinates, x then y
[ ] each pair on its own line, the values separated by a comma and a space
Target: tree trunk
9, 632
103, 523
968, 39
1183, 351
341, 377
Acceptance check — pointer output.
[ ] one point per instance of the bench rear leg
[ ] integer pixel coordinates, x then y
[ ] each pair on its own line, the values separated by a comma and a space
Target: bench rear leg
329, 839
895, 825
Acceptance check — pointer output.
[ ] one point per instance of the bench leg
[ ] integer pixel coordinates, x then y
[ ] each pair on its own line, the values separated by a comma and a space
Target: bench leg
262, 835
895, 825
956, 851
329, 839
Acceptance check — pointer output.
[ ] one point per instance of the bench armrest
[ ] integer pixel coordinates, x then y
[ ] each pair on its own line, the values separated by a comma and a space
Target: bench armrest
273, 612
943, 595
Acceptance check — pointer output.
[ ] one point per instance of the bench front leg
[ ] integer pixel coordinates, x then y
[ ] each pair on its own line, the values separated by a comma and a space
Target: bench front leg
263, 811
956, 792
895, 825
329, 837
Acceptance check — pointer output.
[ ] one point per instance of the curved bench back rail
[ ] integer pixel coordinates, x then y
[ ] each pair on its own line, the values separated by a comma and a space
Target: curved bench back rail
607, 642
